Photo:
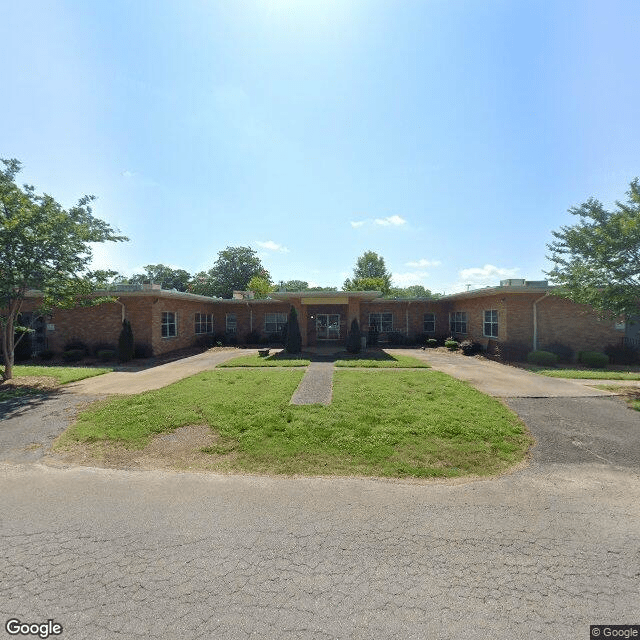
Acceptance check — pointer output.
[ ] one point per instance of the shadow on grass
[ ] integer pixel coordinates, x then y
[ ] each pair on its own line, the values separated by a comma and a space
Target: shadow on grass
18, 400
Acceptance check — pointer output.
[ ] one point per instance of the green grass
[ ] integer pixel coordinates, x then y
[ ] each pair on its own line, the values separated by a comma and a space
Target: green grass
630, 394
586, 374
382, 361
61, 374
11, 393
409, 423
275, 360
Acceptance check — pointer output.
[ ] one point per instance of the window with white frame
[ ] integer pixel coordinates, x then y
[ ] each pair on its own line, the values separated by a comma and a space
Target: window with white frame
274, 322
169, 325
458, 322
491, 323
429, 325
231, 324
381, 322
204, 323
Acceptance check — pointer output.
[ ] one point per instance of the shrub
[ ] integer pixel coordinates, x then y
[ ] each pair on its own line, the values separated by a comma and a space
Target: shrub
564, 353
204, 341
511, 351
471, 348
396, 338
543, 358
593, 359
125, 342
431, 343
293, 342
142, 350
75, 345
24, 348
622, 354
253, 337
452, 345
73, 355
275, 338
46, 354
105, 355
372, 338
353, 339
102, 346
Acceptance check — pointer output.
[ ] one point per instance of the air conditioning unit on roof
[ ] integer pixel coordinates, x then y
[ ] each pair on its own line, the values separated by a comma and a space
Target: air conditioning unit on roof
513, 282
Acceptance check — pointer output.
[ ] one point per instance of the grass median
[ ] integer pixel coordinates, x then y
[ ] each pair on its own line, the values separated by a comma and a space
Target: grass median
405, 424
586, 374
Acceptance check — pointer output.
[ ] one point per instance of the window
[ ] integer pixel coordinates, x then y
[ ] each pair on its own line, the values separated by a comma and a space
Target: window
381, 322
491, 323
274, 322
458, 322
204, 323
231, 324
169, 325
429, 323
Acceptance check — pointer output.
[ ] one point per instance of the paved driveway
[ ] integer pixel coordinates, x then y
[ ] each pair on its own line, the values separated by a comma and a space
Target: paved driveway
540, 553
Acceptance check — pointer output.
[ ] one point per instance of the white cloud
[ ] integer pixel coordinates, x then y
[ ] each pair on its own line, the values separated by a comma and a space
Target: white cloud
359, 223
395, 221
487, 276
410, 278
128, 174
422, 263
270, 245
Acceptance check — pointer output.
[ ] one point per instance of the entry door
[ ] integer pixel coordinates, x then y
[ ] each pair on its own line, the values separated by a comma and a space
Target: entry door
328, 326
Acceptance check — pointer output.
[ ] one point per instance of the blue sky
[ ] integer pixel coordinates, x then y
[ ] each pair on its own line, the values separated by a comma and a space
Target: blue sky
449, 136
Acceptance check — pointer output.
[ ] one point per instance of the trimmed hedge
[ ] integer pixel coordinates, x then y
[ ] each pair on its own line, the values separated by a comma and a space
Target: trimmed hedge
543, 358
593, 359
452, 345
105, 355
73, 355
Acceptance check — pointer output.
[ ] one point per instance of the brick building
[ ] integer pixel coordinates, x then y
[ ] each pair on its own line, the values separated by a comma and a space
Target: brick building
516, 312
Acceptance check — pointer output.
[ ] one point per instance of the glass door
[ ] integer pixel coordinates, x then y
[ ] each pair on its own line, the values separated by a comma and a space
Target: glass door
328, 326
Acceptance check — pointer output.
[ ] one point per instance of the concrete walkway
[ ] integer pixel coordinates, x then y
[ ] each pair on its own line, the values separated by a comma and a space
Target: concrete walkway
124, 382
500, 380
316, 387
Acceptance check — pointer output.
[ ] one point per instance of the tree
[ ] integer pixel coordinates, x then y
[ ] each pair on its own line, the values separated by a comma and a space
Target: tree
413, 291
293, 342
44, 247
295, 285
597, 260
353, 339
369, 270
260, 286
168, 277
231, 272
125, 342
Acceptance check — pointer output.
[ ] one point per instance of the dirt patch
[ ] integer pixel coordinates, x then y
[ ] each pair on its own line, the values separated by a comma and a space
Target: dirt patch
40, 383
180, 449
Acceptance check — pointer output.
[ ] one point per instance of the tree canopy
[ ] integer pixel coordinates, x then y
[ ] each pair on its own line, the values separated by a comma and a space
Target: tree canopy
44, 247
597, 260
370, 273
412, 291
168, 277
231, 272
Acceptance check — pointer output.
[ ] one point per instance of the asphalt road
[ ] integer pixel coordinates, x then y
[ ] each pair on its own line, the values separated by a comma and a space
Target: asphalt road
541, 553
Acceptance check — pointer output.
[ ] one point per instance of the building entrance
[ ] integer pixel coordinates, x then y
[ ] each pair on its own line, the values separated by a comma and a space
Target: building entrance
328, 326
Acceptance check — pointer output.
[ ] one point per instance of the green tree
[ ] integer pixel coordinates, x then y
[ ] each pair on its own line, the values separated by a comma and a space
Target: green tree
597, 260
125, 342
260, 286
44, 247
293, 343
231, 272
413, 291
295, 285
168, 277
370, 273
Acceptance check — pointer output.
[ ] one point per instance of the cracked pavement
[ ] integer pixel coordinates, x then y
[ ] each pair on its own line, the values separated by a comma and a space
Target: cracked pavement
540, 553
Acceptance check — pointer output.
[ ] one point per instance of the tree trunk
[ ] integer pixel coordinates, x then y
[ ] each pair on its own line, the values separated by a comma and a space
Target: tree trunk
8, 341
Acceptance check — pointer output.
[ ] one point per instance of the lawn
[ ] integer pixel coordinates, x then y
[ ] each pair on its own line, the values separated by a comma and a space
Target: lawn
586, 374
275, 360
381, 361
62, 375
405, 424
630, 394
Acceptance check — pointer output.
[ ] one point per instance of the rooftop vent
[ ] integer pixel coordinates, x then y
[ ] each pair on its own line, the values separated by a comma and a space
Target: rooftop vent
513, 282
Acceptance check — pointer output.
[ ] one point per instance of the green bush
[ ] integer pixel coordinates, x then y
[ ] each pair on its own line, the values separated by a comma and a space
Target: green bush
564, 353
471, 348
73, 355
293, 342
253, 337
76, 345
395, 338
452, 345
543, 358
372, 338
353, 339
431, 343
593, 359
105, 355
622, 354
46, 354
142, 350
125, 342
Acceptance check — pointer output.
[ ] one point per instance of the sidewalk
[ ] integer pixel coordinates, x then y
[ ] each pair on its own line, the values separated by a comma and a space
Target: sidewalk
119, 382
503, 381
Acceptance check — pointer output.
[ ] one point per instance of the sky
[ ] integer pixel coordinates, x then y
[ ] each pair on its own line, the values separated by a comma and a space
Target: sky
449, 136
